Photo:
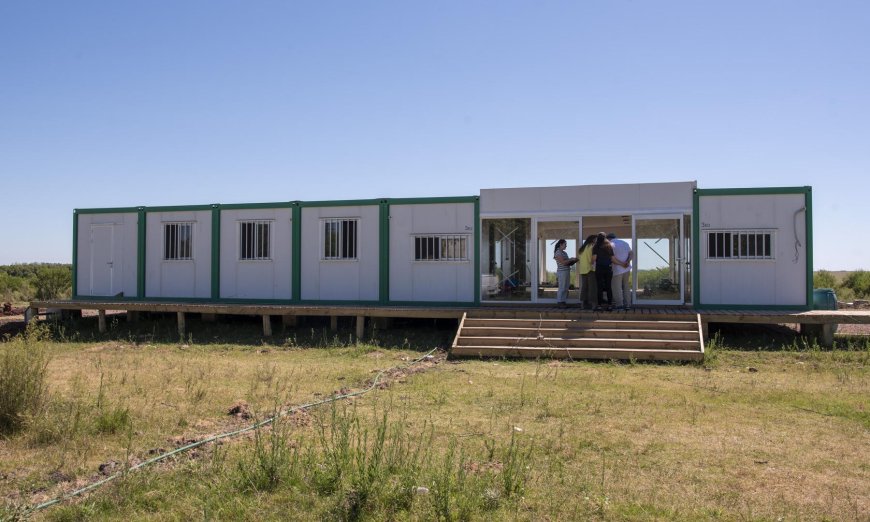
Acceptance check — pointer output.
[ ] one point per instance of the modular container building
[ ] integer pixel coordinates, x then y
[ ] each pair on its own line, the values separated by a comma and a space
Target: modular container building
708, 248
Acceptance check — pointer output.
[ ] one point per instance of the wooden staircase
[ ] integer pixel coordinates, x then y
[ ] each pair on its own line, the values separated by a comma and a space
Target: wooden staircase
579, 335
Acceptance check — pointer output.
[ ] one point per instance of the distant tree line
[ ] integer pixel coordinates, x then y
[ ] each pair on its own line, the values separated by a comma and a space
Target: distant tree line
29, 281
856, 285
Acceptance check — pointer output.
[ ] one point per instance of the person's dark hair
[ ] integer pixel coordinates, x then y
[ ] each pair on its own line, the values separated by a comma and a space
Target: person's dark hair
589, 240
601, 241
558, 244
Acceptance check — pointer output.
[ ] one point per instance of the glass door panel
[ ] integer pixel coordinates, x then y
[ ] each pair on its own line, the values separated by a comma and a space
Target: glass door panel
548, 233
659, 259
506, 261
687, 256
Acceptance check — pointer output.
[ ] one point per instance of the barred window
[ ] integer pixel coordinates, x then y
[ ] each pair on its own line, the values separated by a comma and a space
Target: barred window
441, 248
340, 238
177, 241
740, 244
255, 242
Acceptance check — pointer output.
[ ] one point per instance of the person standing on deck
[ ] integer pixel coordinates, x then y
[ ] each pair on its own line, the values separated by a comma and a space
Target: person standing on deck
588, 288
602, 258
563, 272
621, 271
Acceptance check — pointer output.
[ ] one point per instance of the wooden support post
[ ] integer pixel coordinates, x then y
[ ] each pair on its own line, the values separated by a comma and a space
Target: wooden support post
132, 316
101, 320
826, 337
181, 325
821, 333
705, 330
209, 318
289, 321
333, 322
383, 323
30, 314
267, 325
360, 327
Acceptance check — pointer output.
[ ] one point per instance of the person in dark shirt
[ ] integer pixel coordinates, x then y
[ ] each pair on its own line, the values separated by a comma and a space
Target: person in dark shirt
603, 259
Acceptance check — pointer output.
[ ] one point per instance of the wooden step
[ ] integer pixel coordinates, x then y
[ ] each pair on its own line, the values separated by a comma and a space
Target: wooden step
575, 313
577, 353
583, 342
561, 334
576, 333
590, 323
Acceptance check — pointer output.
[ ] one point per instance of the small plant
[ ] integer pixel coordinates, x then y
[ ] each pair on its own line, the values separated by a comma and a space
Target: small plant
113, 420
271, 462
22, 383
59, 421
712, 347
516, 467
12, 512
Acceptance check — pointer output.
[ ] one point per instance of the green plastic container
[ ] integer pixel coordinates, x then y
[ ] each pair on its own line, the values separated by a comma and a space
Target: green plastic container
824, 299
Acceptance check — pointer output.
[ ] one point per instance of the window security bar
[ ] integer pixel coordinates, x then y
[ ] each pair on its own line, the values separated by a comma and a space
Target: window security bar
177, 241
255, 240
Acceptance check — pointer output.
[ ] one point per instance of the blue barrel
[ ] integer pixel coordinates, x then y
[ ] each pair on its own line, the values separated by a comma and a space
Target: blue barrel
824, 299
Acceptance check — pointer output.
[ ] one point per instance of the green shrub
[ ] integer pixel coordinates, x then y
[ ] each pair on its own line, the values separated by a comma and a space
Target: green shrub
859, 282
824, 279
53, 282
12, 288
22, 383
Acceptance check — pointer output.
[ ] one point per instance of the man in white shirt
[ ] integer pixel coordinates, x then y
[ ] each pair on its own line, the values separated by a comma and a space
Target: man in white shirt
621, 271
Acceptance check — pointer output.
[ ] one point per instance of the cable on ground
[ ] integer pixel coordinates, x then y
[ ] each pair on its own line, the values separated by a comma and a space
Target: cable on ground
225, 435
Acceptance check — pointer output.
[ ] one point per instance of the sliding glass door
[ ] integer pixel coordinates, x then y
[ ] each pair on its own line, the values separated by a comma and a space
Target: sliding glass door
547, 233
506, 260
660, 260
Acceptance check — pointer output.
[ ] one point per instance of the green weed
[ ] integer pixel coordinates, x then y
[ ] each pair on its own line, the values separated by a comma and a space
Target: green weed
272, 460
23, 387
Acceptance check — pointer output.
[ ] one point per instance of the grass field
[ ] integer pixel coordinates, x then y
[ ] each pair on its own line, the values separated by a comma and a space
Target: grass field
749, 434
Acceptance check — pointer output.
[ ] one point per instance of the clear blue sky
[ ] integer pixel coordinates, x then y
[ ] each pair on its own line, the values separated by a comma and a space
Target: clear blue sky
161, 103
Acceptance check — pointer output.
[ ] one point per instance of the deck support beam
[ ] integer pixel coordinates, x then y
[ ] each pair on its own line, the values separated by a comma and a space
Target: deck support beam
333, 323
101, 321
822, 333
30, 313
181, 326
267, 325
382, 323
289, 321
360, 327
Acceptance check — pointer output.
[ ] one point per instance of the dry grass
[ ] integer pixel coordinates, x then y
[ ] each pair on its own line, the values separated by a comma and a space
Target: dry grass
752, 436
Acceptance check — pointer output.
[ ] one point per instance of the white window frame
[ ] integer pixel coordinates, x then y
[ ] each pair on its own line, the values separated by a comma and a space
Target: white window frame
738, 249
252, 250
341, 250
440, 248
173, 241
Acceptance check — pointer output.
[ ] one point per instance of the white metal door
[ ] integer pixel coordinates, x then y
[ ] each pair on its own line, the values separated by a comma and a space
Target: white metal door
658, 272
102, 259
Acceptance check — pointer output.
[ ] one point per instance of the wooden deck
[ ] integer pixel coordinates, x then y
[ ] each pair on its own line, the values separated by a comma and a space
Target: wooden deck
818, 322
725, 316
